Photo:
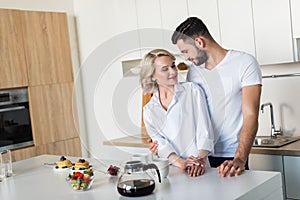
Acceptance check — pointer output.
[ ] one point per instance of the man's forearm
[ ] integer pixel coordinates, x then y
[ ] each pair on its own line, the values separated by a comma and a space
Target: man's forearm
247, 136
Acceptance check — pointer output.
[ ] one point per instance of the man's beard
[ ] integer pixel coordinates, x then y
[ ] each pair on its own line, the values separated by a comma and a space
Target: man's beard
201, 58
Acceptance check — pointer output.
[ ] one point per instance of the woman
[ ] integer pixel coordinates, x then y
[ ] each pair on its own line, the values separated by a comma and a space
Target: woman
177, 115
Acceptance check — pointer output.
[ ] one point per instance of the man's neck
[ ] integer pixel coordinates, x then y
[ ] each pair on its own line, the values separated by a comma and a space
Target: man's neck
216, 55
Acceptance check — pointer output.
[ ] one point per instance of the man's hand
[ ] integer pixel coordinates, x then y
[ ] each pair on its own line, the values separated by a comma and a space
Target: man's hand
231, 168
153, 145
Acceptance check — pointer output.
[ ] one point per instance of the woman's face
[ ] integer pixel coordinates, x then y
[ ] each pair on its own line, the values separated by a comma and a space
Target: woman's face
165, 73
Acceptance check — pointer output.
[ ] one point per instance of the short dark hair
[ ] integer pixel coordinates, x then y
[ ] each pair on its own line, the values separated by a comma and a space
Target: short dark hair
191, 28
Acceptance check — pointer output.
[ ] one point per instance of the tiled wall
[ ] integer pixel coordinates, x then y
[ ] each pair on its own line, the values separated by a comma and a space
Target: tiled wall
284, 94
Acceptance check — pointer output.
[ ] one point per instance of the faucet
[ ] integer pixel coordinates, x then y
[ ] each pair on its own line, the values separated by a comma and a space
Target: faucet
274, 132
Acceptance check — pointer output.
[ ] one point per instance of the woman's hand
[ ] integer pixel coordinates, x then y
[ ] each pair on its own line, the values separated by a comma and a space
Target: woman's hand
195, 166
153, 145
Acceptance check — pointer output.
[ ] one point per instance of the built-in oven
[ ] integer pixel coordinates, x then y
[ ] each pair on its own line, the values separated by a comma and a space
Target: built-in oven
15, 124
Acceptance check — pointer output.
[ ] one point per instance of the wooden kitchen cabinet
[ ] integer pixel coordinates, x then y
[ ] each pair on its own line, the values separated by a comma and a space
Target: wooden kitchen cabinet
35, 53
70, 147
292, 176
23, 153
12, 56
47, 47
236, 25
53, 113
273, 31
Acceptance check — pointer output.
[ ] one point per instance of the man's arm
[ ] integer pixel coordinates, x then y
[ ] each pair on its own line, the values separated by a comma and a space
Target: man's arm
250, 109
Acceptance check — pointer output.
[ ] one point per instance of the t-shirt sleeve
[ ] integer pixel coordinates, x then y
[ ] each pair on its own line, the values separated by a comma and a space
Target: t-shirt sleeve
251, 73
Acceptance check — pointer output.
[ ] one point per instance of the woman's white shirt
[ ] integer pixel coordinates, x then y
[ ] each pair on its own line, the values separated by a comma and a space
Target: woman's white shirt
185, 127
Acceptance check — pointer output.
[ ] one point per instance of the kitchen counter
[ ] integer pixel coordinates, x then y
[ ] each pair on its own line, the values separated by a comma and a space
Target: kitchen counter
292, 149
34, 180
129, 141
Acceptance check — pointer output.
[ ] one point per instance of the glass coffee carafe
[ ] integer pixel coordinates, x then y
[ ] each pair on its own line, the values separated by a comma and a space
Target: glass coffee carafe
135, 181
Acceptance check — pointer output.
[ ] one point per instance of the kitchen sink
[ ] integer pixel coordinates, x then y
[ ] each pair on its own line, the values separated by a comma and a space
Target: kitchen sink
273, 142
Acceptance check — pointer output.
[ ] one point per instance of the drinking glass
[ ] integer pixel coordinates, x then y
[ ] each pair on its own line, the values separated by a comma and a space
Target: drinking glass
2, 169
7, 162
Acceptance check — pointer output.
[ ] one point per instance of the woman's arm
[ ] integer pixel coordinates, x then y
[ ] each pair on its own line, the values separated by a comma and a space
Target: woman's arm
203, 128
177, 161
165, 148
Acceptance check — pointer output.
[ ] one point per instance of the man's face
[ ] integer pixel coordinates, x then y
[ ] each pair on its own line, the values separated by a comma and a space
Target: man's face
192, 53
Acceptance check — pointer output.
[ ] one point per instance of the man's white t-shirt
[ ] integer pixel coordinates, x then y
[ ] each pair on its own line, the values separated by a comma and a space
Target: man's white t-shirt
185, 127
223, 88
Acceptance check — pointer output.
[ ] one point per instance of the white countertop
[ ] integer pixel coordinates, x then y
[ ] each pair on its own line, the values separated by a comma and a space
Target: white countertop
33, 180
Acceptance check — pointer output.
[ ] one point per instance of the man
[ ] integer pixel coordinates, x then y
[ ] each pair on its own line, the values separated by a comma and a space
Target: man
232, 83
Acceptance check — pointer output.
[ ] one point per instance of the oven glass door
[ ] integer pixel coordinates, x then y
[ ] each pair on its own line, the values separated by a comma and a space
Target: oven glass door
15, 126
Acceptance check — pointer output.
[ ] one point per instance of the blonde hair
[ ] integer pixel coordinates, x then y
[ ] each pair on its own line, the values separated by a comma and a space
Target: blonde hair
148, 69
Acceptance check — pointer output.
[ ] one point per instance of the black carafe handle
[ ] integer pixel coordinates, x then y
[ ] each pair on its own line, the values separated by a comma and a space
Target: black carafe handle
152, 166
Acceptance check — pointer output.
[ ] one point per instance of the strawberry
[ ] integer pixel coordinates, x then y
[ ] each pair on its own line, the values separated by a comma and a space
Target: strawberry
86, 177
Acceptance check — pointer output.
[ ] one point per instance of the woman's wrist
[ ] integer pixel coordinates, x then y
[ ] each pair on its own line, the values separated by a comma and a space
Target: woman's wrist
177, 161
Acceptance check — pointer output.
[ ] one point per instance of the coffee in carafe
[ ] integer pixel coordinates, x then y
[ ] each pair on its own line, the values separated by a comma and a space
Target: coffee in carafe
135, 181
136, 188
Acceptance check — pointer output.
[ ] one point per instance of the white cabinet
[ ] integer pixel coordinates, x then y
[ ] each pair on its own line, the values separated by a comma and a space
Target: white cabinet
267, 163
292, 176
149, 25
295, 5
103, 26
272, 31
123, 23
157, 20
207, 11
236, 25
172, 14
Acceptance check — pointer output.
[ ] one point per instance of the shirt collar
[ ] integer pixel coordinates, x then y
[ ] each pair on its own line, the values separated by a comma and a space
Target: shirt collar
178, 90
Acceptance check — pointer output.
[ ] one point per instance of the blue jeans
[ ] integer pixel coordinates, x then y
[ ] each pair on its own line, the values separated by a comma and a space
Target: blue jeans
217, 161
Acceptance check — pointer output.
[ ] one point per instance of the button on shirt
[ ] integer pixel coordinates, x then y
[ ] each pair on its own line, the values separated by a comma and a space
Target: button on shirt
185, 127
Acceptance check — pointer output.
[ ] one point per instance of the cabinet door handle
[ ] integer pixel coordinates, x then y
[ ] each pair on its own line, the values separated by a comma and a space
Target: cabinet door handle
12, 109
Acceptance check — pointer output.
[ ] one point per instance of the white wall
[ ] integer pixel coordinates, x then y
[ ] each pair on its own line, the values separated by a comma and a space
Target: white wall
112, 102
284, 93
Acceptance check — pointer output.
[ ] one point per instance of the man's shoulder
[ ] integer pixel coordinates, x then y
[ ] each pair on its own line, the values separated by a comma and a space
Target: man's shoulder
242, 55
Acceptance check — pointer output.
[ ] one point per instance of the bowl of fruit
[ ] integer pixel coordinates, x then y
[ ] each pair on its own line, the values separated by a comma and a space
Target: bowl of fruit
81, 180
